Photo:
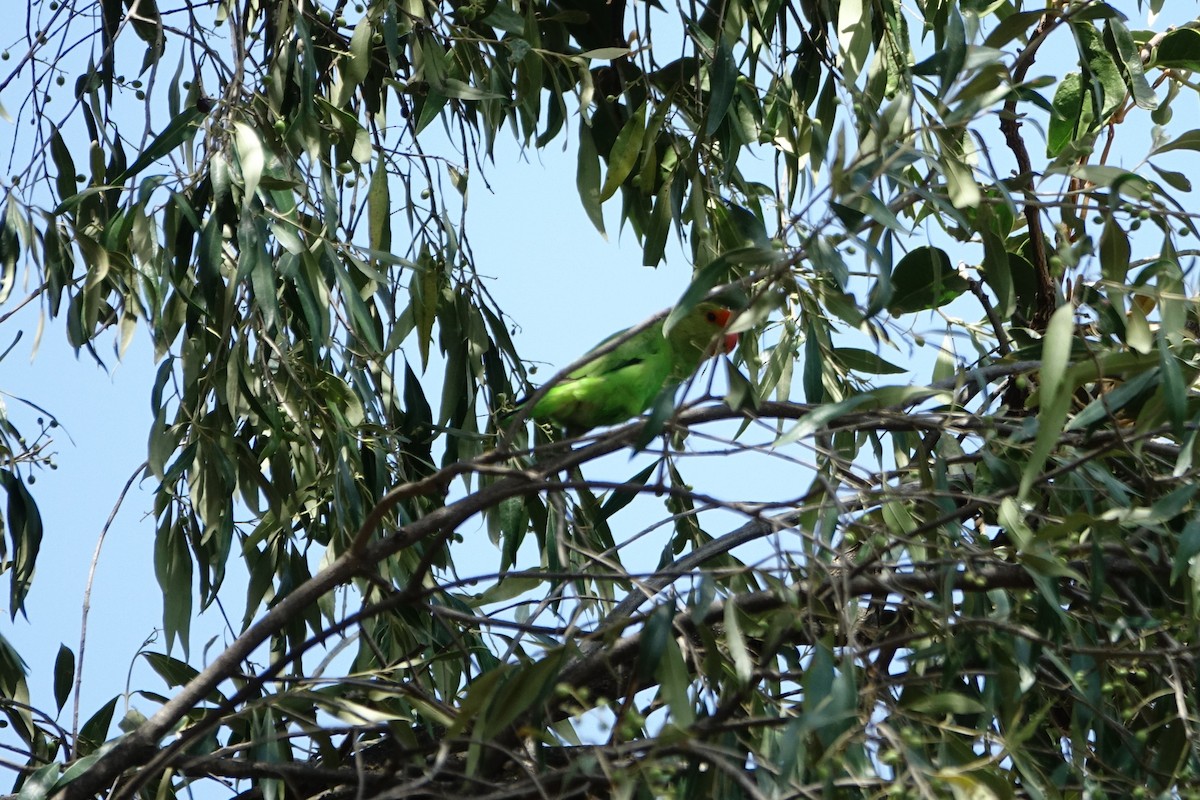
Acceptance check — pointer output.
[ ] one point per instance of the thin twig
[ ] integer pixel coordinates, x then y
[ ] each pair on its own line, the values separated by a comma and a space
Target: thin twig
87, 605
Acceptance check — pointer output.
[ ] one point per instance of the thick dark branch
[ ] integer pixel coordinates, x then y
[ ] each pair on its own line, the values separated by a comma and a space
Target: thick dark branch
1010, 126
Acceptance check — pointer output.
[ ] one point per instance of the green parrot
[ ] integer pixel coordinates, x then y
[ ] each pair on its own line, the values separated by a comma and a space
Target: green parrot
623, 383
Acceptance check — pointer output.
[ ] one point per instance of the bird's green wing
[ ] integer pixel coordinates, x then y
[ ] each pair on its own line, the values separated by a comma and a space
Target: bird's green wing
619, 385
612, 387
639, 348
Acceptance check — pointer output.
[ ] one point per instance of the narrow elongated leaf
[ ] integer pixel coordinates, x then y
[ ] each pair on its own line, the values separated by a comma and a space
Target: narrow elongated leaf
1120, 43
176, 133
1055, 393
722, 79
587, 178
1185, 141
1056, 351
24, 523
1174, 390
1067, 108
1114, 252
64, 675
250, 158
65, 180
379, 208
625, 152
1106, 84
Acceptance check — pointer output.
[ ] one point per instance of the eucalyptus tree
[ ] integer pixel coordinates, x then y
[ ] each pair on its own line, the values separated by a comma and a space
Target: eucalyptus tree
967, 574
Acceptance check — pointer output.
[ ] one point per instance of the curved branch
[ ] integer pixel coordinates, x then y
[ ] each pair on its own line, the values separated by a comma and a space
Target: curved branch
1010, 126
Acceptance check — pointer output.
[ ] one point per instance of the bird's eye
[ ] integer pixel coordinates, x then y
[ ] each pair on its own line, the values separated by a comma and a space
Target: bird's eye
712, 316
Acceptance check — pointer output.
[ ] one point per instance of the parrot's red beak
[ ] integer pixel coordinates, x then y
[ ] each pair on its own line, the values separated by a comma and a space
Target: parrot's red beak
729, 340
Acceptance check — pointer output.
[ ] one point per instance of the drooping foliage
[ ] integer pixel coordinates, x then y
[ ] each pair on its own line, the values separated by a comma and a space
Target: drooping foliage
967, 574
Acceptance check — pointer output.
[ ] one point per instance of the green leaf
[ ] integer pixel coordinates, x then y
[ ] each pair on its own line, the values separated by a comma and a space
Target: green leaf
425, 292
1176, 180
1174, 389
625, 152
1189, 547
653, 640
64, 675
854, 37
674, 680
823, 414
1110, 402
24, 523
722, 80
739, 653
605, 53
812, 376
1064, 119
714, 273
176, 133
741, 394
10, 249
1128, 56
943, 703
1056, 352
1055, 394
660, 226
379, 208
1185, 141
173, 568
865, 361
40, 782
250, 158
358, 64
953, 50
65, 181
924, 279
624, 495
1107, 86
1114, 252
587, 178
1138, 335
94, 732
1179, 49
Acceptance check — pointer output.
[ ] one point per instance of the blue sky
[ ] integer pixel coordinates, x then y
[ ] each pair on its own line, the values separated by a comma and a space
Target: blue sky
565, 285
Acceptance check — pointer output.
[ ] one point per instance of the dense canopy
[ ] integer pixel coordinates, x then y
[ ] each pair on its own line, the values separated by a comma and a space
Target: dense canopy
930, 531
